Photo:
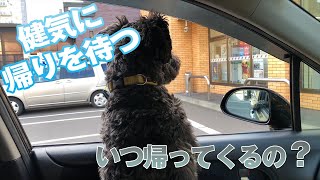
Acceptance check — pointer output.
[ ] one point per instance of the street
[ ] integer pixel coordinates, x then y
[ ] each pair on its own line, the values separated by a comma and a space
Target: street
82, 124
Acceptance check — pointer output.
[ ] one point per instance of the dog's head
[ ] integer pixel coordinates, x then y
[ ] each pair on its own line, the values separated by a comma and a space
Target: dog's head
152, 58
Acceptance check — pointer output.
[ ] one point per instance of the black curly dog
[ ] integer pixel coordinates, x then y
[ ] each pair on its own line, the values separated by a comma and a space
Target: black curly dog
137, 115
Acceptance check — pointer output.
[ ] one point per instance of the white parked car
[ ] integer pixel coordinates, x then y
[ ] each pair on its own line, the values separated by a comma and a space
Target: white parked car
68, 88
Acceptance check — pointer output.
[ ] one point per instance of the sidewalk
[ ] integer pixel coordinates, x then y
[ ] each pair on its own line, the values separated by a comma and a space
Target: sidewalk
310, 118
201, 99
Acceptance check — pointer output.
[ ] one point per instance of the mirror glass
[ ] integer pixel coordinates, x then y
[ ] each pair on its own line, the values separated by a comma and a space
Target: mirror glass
251, 104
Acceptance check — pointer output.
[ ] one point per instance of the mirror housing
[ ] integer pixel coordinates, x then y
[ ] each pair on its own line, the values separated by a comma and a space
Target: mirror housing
277, 113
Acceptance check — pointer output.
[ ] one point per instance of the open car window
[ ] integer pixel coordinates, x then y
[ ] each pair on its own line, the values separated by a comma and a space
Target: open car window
214, 61
226, 63
38, 79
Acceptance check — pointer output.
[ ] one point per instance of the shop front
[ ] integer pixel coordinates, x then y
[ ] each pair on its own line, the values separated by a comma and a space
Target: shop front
229, 62
233, 61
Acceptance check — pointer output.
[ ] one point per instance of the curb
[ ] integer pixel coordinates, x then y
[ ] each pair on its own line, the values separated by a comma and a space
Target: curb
202, 103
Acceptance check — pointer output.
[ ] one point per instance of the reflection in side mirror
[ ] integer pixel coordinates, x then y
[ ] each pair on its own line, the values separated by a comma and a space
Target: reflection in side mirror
258, 105
253, 105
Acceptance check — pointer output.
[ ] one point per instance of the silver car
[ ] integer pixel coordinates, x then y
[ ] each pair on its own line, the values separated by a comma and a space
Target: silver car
68, 88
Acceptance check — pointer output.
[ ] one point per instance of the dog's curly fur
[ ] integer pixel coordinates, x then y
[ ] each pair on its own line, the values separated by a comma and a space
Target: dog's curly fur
139, 115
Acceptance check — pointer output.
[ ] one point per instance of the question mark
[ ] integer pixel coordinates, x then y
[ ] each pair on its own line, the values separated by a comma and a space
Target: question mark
304, 150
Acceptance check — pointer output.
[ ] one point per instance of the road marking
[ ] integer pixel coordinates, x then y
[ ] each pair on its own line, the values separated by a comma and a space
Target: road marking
63, 139
193, 123
79, 112
60, 120
203, 128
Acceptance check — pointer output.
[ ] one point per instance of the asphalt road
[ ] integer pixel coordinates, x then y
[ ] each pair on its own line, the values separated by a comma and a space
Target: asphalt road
82, 124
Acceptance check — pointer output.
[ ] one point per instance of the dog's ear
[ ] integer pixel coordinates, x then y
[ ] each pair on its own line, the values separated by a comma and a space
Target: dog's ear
157, 36
112, 28
158, 20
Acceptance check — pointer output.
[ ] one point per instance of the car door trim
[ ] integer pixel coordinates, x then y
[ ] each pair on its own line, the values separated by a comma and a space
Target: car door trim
295, 92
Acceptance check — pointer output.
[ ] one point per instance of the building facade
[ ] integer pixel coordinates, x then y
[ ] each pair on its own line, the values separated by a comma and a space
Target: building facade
106, 11
228, 62
12, 13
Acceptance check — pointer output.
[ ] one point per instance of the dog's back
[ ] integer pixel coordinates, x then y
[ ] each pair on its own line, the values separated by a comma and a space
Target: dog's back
138, 116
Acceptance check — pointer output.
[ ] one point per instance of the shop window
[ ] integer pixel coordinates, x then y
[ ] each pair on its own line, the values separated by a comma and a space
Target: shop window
310, 78
260, 63
214, 34
9, 43
310, 98
218, 60
239, 60
10, 49
233, 61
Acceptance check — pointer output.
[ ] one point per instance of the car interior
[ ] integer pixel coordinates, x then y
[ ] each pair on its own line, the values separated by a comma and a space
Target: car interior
269, 27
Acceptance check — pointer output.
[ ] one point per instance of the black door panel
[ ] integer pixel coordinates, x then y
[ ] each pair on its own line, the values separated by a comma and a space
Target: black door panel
73, 156
263, 140
14, 170
66, 162
79, 161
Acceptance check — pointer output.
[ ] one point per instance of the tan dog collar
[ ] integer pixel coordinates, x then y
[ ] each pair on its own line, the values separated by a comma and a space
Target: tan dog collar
138, 79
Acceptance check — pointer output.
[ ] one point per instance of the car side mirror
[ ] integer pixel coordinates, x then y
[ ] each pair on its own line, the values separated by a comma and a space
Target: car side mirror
258, 105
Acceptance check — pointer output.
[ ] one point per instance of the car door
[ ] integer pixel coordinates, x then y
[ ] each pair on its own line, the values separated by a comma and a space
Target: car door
45, 93
78, 161
78, 85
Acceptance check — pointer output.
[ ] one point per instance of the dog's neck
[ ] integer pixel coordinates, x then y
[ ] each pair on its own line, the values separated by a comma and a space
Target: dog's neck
138, 79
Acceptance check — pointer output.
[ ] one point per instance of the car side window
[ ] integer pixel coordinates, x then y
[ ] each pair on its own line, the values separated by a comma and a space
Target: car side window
309, 97
104, 67
222, 61
38, 79
88, 72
